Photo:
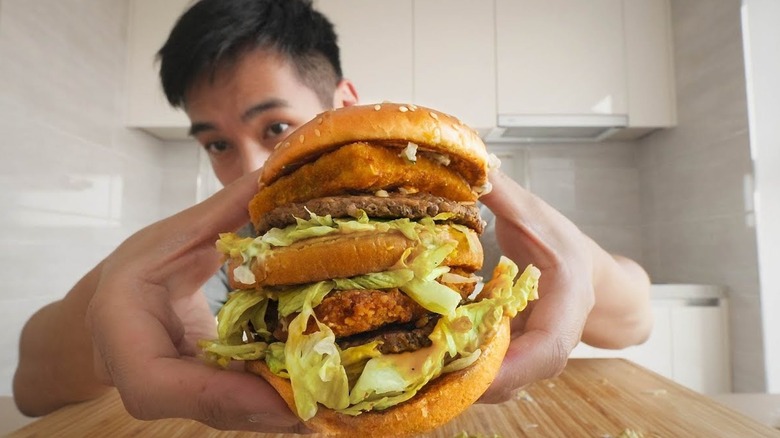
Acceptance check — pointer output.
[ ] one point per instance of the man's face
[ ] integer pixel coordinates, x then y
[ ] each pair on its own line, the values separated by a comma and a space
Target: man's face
247, 109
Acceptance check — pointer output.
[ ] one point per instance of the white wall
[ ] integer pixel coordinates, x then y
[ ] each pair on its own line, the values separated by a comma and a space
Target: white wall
698, 222
762, 45
73, 181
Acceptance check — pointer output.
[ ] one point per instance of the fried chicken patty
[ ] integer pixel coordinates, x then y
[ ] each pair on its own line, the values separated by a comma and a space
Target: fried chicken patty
351, 312
360, 167
395, 205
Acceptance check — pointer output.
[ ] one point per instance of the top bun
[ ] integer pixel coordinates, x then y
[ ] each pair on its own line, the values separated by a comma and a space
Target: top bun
389, 123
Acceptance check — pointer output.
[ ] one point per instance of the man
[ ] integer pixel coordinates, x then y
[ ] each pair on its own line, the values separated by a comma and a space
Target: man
247, 72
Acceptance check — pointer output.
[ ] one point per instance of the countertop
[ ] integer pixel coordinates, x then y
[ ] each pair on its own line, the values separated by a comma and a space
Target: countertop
592, 398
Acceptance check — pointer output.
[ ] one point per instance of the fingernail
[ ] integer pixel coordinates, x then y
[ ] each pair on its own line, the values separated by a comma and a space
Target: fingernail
273, 419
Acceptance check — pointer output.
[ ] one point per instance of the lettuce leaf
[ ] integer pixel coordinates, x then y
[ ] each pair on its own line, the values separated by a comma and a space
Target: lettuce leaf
354, 359
378, 280
297, 298
221, 354
274, 358
237, 311
313, 362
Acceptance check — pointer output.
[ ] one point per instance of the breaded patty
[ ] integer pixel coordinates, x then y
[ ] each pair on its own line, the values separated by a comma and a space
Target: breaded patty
360, 167
356, 311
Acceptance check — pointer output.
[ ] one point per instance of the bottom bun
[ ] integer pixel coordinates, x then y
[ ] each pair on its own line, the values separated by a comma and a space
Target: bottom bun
434, 405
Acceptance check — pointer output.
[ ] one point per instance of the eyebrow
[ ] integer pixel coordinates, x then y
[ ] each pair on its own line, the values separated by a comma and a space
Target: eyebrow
198, 127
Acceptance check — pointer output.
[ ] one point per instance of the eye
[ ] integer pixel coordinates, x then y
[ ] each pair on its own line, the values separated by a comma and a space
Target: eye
276, 129
216, 147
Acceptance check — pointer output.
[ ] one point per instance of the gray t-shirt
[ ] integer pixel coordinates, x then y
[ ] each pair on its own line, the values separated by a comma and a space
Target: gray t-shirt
217, 288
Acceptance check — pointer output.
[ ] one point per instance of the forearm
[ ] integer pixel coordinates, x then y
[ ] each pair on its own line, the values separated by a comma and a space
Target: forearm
55, 354
621, 315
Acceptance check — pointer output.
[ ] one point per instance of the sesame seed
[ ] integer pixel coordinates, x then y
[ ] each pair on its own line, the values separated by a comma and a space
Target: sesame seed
437, 132
413, 107
434, 115
377, 107
278, 145
403, 109
319, 122
286, 144
301, 138
317, 132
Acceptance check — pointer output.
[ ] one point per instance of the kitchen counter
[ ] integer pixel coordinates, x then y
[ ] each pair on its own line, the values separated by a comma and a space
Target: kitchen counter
592, 398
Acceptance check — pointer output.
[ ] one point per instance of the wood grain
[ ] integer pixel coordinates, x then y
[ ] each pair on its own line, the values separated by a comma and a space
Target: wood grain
592, 398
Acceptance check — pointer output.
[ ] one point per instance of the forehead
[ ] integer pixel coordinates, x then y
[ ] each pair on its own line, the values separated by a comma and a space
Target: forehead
254, 76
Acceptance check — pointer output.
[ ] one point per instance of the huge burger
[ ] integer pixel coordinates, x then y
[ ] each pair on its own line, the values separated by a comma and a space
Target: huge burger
358, 301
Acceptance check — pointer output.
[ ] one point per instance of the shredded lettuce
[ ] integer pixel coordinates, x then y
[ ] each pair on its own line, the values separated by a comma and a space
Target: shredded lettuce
274, 358
297, 298
222, 354
313, 362
354, 359
379, 280
237, 311
424, 289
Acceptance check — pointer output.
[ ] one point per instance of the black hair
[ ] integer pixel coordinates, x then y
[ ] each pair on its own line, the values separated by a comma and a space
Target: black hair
215, 33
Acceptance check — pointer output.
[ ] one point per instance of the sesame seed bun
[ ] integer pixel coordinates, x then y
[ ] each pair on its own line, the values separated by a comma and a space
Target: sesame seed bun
388, 123
436, 404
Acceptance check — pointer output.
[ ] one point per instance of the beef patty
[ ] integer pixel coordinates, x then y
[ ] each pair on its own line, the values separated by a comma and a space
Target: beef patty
395, 205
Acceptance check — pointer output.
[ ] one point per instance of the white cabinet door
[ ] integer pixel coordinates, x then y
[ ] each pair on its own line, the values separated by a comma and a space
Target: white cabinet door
700, 348
375, 37
149, 24
454, 59
648, 37
560, 57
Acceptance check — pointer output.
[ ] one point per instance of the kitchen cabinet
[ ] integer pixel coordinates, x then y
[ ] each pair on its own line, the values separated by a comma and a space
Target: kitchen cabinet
436, 53
570, 70
375, 38
689, 342
483, 61
454, 59
560, 57
649, 66
150, 22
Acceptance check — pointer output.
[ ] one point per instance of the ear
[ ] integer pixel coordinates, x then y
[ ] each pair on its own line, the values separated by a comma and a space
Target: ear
345, 94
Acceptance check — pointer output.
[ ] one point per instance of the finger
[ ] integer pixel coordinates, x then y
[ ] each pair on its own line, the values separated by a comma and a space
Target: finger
225, 210
179, 250
155, 382
508, 198
199, 225
552, 330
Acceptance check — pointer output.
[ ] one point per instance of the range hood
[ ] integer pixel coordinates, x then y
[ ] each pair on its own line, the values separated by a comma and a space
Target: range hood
555, 128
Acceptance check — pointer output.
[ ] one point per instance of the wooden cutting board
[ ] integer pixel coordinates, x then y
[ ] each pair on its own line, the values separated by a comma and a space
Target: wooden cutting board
592, 398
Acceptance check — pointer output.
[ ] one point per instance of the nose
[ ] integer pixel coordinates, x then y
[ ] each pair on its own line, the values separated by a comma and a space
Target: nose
253, 156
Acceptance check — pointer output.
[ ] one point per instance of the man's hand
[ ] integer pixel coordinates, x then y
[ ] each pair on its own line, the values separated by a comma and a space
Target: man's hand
578, 277
147, 315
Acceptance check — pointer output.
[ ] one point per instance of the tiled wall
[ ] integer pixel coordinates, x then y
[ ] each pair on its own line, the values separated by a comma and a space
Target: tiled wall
697, 225
596, 185
73, 181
